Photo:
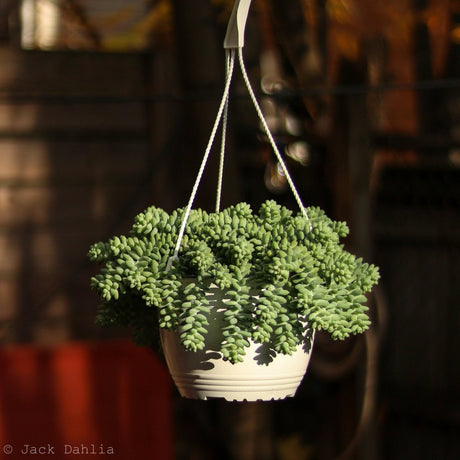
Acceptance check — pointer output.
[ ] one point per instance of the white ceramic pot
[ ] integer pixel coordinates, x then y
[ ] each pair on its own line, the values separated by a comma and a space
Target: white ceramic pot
205, 375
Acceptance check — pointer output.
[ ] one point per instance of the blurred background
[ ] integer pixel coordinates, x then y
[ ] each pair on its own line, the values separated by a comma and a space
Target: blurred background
106, 107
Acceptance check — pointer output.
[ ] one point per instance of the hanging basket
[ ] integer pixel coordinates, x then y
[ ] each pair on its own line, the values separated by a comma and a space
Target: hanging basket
220, 337
206, 375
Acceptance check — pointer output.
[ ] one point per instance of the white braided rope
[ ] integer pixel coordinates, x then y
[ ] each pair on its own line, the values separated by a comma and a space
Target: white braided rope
222, 114
220, 176
269, 135
223, 104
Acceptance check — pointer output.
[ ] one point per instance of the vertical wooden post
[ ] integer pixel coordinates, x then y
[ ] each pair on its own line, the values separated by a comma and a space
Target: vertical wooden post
350, 165
201, 65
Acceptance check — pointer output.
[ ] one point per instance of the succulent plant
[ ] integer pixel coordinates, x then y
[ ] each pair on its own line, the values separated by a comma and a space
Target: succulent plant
278, 271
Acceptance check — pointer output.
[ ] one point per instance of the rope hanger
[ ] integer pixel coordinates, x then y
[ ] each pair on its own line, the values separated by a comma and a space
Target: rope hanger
233, 44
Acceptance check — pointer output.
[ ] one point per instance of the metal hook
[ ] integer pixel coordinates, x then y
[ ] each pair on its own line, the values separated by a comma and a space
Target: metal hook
234, 38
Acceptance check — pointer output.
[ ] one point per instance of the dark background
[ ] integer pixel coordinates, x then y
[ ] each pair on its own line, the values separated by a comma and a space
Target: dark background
367, 96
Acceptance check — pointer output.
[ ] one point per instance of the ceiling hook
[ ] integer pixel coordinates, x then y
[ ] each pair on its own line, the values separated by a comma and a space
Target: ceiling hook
234, 38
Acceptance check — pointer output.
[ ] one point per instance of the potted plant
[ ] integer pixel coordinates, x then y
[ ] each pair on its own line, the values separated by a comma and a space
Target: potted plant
246, 290
237, 295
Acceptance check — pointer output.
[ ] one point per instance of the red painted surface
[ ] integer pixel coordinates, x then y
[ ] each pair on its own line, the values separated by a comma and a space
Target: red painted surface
84, 400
